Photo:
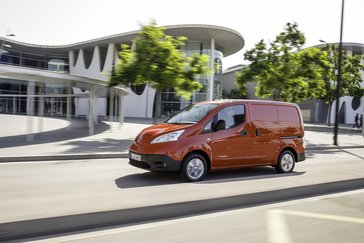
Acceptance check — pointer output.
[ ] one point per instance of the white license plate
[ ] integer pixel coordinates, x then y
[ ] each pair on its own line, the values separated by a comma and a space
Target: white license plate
135, 157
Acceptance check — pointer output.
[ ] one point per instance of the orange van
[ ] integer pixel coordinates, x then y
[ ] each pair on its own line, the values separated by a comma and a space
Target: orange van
222, 134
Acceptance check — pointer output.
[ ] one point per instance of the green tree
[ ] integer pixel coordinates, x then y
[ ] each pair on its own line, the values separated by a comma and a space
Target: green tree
282, 70
350, 76
157, 61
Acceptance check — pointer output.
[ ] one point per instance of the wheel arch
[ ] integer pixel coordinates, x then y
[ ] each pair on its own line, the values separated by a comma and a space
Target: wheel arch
284, 149
203, 154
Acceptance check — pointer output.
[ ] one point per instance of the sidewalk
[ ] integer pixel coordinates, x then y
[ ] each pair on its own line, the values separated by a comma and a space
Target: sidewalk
61, 139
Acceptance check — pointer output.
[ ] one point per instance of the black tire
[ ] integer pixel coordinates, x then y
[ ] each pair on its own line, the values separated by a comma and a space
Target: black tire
194, 168
286, 162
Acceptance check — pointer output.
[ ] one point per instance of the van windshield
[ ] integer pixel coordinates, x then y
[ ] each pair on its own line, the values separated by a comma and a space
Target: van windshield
192, 114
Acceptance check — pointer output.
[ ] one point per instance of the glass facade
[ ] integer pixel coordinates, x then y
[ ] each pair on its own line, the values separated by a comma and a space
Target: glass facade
12, 103
51, 62
13, 98
13, 93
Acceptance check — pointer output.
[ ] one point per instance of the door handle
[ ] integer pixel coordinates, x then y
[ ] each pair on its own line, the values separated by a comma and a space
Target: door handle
257, 132
244, 133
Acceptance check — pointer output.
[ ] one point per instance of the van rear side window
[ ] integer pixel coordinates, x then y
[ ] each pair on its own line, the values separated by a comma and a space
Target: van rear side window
288, 114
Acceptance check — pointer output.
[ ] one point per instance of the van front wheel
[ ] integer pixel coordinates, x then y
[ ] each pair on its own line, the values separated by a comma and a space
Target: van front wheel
286, 162
194, 168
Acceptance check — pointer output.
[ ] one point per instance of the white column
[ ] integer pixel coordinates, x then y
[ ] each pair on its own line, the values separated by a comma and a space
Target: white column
41, 107
30, 111
77, 104
115, 112
95, 106
15, 108
69, 100
90, 115
111, 108
147, 103
211, 80
121, 108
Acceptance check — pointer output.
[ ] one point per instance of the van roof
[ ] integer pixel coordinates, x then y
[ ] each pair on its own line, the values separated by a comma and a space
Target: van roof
268, 102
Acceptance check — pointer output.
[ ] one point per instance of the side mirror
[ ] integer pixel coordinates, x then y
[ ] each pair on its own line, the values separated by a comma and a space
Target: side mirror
220, 125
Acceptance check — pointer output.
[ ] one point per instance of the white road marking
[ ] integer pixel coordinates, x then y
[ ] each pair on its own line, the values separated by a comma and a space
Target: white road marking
278, 231
322, 216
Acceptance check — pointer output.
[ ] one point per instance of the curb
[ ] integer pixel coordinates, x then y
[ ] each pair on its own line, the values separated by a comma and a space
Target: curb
329, 147
63, 224
63, 157
341, 130
126, 155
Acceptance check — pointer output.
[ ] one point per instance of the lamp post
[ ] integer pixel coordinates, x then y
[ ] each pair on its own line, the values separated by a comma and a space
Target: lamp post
338, 87
3, 42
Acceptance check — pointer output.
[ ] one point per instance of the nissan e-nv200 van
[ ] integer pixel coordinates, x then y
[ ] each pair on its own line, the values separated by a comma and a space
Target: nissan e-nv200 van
220, 135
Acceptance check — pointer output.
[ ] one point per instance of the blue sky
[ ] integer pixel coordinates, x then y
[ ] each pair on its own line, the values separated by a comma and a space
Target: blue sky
49, 22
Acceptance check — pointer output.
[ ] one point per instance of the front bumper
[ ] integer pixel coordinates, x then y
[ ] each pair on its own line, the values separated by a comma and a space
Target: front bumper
154, 162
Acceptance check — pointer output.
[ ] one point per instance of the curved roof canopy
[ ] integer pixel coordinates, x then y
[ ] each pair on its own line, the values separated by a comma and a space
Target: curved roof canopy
230, 40
357, 48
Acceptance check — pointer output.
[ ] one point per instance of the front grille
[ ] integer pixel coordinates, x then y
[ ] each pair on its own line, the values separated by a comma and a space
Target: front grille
139, 164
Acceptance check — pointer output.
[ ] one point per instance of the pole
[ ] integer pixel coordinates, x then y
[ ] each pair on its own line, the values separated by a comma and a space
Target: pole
338, 87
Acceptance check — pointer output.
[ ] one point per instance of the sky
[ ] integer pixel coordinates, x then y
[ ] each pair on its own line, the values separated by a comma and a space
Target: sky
47, 22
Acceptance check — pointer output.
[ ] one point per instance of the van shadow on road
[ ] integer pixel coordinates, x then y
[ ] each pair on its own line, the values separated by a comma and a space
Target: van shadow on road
149, 179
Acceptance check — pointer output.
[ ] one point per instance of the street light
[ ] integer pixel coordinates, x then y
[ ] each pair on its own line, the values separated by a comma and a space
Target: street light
338, 87
3, 42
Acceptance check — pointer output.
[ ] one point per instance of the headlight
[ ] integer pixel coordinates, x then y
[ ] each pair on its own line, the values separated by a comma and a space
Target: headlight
172, 136
304, 142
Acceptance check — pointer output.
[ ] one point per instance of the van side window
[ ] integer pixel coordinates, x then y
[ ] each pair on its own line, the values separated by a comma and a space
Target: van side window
208, 127
233, 115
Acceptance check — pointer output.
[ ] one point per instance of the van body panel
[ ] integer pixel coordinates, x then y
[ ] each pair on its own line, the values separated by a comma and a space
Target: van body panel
230, 147
255, 134
290, 121
267, 136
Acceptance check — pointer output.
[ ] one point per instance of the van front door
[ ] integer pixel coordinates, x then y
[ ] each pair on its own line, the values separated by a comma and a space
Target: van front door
231, 143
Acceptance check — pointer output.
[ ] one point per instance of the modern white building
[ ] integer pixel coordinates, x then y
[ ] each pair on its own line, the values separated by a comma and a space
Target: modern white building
71, 80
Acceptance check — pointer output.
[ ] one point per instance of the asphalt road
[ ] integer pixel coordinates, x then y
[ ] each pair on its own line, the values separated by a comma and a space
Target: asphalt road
36, 190
334, 218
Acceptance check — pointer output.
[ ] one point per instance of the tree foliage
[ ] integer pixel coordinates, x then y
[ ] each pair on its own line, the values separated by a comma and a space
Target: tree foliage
350, 75
156, 60
282, 70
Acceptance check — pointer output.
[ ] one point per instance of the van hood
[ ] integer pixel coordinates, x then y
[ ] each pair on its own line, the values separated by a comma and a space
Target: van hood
147, 135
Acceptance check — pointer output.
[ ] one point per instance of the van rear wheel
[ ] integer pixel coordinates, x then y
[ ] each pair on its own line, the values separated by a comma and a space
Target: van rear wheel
286, 162
194, 168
